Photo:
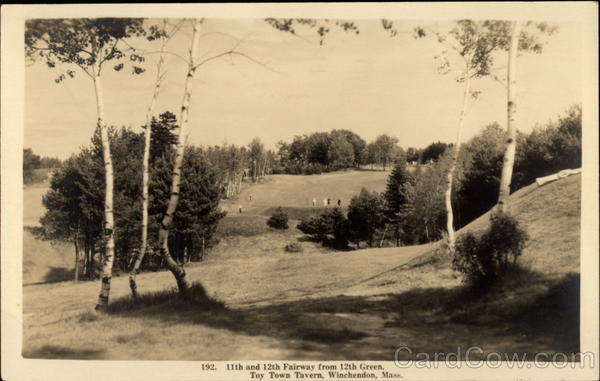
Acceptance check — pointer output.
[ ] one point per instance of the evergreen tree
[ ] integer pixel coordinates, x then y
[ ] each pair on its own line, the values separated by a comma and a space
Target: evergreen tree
366, 216
397, 197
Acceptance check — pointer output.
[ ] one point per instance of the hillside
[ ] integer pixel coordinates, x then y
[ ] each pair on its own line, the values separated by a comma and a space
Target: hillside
43, 262
298, 191
321, 304
551, 216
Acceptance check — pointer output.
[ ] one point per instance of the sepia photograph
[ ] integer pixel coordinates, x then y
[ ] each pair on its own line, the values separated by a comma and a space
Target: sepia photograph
300, 192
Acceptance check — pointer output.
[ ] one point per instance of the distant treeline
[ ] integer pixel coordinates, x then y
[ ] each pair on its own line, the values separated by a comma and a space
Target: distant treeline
412, 210
335, 150
343, 149
33, 162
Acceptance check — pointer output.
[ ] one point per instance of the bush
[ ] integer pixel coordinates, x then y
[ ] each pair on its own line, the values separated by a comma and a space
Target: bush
314, 169
485, 259
366, 216
279, 219
293, 247
316, 227
296, 212
331, 228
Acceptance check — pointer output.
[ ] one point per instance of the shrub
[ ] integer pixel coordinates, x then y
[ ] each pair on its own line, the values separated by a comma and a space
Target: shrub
296, 212
366, 216
485, 259
339, 228
316, 227
314, 169
331, 228
279, 219
293, 247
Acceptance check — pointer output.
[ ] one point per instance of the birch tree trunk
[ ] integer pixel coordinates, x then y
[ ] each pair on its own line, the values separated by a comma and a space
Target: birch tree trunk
76, 260
109, 255
163, 235
511, 125
455, 149
146, 173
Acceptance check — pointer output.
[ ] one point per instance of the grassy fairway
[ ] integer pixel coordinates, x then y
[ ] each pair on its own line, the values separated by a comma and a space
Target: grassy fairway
298, 191
264, 303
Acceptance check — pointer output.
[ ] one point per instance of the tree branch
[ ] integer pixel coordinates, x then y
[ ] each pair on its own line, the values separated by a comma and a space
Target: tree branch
232, 53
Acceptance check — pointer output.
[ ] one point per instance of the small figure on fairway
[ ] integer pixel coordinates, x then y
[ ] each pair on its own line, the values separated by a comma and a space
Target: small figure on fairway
314, 202
240, 208
339, 203
250, 198
328, 201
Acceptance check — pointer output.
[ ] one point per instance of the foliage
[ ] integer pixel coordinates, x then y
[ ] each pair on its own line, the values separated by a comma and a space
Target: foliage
296, 212
279, 219
550, 149
321, 152
31, 162
482, 157
413, 155
425, 215
486, 258
321, 26
317, 227
433, 152
162, 137
384, 150
74, 207
75, 202
472, 43
331, 228
365, 216
82, 42
32, 165
198, 213
397, 198
230, 164
544, 151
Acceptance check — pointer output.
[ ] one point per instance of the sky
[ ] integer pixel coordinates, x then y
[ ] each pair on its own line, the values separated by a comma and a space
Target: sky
370, 83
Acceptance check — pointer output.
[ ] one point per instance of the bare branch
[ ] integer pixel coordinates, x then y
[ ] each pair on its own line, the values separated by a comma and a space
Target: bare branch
234, 52
143, 52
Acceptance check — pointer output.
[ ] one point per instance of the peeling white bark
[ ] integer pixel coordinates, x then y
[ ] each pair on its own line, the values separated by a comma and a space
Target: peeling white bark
511, 125
163, 235
455, 150
109, 255
146, 172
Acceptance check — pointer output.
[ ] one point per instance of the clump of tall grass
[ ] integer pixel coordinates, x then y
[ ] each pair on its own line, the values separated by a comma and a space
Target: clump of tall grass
167, 300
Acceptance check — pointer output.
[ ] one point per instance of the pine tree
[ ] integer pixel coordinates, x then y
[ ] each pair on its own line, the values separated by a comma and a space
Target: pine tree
397, 197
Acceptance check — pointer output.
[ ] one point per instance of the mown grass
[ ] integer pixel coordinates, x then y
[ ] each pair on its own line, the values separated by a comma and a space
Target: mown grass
358, 305
242, 225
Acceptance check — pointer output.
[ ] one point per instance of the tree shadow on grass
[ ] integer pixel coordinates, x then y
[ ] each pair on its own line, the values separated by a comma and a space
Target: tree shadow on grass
428, 320
58, 274
54, 275
63, 353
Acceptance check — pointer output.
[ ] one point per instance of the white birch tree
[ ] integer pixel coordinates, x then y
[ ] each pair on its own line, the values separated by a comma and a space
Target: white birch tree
468, 49
88, 45
163, 34
523, 37
192, 64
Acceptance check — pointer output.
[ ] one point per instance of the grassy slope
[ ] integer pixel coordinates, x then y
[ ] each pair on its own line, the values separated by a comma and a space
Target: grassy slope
298, 191
326, 305
42, 261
